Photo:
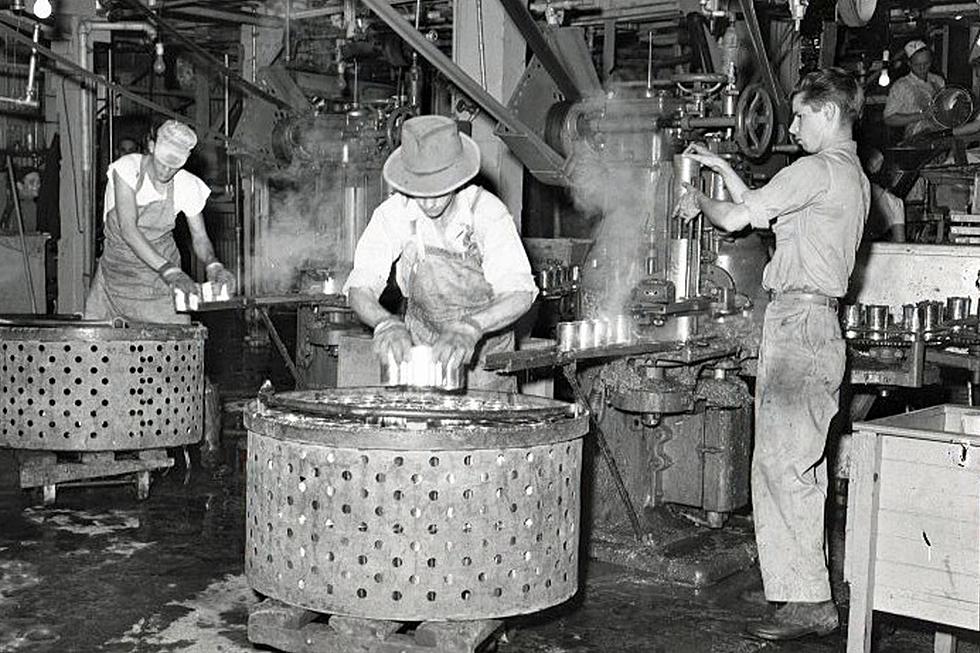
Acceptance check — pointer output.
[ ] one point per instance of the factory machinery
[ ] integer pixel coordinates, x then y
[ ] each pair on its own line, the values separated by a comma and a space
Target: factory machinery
673, 414
671, 409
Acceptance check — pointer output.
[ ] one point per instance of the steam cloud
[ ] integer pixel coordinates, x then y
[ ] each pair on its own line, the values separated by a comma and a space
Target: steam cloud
303, 230
621, 196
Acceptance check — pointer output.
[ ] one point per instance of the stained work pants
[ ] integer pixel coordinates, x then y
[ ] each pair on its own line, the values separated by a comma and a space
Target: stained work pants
801, 366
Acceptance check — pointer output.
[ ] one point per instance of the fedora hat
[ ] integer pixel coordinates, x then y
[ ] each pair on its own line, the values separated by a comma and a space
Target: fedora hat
433, 159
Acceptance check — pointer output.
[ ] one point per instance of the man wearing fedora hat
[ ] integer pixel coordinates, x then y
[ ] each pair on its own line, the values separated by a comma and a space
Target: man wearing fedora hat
140, 264
458, 257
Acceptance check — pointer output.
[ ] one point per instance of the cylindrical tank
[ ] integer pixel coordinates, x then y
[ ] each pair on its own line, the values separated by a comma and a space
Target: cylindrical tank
411, 506
90, 386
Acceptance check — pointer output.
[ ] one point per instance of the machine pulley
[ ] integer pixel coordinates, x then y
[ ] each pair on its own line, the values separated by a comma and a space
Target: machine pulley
755, 121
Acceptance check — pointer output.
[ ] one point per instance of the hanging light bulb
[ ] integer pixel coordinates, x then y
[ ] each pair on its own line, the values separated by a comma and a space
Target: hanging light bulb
883, 78
42, 9
159, 66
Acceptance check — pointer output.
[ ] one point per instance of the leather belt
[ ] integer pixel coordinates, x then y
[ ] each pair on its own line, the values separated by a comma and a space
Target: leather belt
807, 298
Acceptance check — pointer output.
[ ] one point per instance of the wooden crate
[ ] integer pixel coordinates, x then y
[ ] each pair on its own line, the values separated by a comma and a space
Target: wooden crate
913, 534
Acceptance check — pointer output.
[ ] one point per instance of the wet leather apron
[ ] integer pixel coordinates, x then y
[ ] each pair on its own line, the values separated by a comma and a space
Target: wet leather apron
445, 286
124, 286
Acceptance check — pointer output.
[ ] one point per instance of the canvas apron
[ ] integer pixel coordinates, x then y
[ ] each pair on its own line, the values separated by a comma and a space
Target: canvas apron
445, 286
124, 286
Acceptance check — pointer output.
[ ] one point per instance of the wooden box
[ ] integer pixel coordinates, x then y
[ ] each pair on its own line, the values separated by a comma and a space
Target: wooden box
913, 523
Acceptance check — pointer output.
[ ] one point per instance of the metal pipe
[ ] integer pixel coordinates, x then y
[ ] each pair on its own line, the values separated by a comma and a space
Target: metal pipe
85, 28
20, 230
481, 45
111, 99
285, 35
649, 60
227, 125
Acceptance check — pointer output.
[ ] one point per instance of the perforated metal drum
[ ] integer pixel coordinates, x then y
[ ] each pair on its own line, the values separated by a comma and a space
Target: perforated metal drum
422, 507
89, 386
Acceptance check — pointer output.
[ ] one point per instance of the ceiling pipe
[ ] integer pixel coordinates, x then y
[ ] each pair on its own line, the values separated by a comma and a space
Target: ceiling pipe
85, 29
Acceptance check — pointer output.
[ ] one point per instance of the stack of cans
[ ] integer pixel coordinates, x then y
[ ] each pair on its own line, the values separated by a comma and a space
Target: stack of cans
598, 332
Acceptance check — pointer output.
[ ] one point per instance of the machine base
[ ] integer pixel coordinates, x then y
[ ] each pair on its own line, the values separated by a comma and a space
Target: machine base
50, 470
296, 630
677, 550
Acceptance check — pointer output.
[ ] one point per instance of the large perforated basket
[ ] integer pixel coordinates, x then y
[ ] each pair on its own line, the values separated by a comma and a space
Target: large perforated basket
391, 505
92, 386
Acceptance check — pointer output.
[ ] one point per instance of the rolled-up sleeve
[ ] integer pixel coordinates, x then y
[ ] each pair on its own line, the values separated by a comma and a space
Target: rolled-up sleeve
375, 252
505, 264
792, 189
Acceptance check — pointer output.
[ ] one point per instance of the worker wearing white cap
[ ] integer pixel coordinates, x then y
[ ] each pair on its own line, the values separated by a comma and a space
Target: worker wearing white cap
910, 97
140, 265
459, 259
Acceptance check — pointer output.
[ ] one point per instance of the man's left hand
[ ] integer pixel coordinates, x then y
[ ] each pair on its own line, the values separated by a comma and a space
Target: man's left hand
457, 342
218, 275
689, 204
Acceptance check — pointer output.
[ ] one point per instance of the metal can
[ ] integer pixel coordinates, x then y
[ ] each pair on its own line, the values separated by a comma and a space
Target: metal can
621, 329
567, 335
876, 320
586, 335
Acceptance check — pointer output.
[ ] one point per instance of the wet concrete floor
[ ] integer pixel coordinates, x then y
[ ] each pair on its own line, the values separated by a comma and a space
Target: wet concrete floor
99, 571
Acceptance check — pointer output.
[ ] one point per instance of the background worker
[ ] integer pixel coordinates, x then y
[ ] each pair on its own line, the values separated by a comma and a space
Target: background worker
28, 187
458, 257
910, 96
140, 265
817, 208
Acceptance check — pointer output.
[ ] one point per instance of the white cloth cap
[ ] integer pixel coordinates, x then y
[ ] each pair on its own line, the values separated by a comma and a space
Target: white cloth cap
914, 46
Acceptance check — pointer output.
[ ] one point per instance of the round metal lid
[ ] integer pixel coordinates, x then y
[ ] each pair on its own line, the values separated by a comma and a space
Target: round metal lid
382, 402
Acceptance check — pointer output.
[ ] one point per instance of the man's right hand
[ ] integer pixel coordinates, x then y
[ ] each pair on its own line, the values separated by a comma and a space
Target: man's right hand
707, 158
177, 278
391, 337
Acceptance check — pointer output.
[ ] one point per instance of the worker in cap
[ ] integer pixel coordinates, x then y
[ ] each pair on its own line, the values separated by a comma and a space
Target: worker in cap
140, 265
458, 258
910, 96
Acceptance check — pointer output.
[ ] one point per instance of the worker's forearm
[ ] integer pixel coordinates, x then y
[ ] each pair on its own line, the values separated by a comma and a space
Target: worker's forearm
364, 302
727, 216
203, 249
967, 129
506, 308
736, 187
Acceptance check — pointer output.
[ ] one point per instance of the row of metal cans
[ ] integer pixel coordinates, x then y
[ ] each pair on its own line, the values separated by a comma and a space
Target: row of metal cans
597, 332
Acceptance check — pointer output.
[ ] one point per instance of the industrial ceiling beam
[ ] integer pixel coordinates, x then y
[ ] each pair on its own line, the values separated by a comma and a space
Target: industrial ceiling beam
542, 160
204, 56
241, 17
68, 66
517, 10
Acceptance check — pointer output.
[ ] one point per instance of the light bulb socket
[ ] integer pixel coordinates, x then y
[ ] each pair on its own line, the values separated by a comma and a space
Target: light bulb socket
158, 46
